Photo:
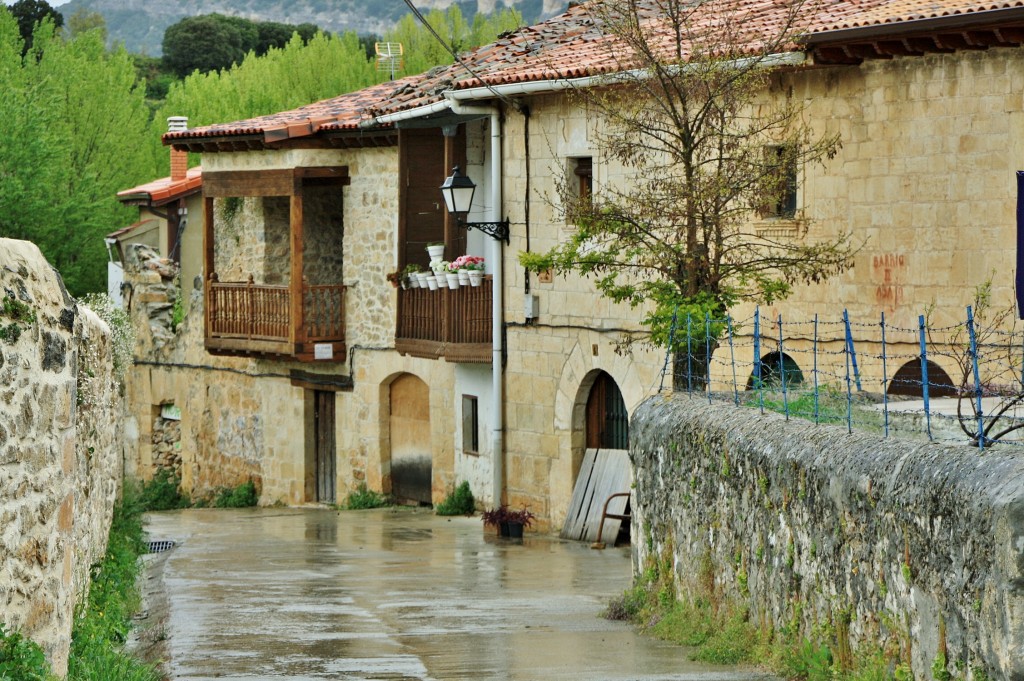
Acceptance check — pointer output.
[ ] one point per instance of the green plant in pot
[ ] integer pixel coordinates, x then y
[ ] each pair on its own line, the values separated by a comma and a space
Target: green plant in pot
510, 523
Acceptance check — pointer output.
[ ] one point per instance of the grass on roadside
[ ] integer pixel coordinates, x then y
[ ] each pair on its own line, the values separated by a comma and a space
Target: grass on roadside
362, 498
721, 631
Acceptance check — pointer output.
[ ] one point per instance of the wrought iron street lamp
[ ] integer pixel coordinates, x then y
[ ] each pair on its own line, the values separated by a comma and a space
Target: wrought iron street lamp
458, 197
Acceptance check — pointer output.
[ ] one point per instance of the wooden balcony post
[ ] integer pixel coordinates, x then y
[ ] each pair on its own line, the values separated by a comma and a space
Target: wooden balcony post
208, 260
298, 325
250, 304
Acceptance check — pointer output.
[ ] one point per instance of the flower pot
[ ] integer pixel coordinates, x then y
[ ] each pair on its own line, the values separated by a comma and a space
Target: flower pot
475, 277
422, 278
463, 277
436, 252
432, 283
515, 530
453, 280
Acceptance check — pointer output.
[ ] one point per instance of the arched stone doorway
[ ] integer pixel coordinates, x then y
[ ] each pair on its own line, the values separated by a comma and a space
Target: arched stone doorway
604, 469
907, 381
774, 366
411, 443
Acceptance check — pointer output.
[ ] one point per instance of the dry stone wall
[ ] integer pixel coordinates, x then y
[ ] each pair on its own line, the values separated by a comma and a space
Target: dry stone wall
915, 544
60, 462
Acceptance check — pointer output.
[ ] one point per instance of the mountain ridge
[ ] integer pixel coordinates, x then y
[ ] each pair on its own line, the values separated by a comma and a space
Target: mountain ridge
140, 24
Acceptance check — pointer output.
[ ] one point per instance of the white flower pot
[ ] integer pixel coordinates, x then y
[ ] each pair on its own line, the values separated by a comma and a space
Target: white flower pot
422, 276
432, 283
476, 277
463, 277
436, 252
453, 280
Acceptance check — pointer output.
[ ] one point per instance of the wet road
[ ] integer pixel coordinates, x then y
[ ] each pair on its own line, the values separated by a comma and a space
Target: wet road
395, 594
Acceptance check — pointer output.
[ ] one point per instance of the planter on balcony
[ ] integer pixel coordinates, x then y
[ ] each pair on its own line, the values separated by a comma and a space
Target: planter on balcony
436, 251
453, 279
475, 277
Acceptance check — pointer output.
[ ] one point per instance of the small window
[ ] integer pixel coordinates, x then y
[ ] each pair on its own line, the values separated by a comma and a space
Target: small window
782, 159
470, 425
584, 171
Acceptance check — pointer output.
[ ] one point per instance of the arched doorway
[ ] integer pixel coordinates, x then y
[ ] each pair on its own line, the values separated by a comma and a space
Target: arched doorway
411, 445
604, 473
607, 421
774, 366
907, 381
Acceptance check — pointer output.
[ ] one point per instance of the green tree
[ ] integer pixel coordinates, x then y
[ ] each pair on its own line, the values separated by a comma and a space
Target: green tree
210, 42
31, 13
84, 20
706, 144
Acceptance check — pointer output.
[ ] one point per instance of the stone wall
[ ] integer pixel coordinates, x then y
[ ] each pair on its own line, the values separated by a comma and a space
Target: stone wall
60, 463
916, 544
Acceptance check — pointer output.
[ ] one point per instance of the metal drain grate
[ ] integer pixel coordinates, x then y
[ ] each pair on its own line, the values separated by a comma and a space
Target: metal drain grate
159, 546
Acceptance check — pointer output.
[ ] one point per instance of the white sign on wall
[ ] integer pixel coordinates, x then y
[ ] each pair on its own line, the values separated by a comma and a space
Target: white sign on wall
323, 351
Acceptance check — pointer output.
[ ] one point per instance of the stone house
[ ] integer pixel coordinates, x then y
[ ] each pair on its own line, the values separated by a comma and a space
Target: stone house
305, 368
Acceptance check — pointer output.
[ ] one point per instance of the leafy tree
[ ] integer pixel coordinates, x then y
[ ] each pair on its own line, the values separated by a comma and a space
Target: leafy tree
84, 20
31, 13
210, 42
705, 147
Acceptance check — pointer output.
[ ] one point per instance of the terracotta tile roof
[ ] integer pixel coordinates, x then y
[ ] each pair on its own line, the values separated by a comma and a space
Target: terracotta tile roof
148, 223
163, 190
572, 45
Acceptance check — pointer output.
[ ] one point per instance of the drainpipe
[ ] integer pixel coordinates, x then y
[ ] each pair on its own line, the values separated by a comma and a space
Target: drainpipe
497, 310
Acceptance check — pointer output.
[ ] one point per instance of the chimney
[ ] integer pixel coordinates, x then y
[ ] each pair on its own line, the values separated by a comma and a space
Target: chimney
179, 159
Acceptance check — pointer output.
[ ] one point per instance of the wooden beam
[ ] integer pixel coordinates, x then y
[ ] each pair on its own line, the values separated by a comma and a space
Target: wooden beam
249, 183
298, 327
208, 259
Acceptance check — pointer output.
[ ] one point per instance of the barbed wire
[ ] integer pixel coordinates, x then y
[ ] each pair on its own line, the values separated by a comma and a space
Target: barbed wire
956, 382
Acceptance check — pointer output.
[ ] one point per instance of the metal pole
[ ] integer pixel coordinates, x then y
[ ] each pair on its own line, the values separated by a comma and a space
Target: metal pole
757, 357
853, 352
671, 342
782, 372
689, 354
815, 372
732, 359
707, 352
924, 375
849, 394
977, 378
885, 379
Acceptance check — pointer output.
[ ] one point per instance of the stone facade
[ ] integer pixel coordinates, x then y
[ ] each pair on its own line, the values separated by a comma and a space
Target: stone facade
927, 157
60, 450
915, 545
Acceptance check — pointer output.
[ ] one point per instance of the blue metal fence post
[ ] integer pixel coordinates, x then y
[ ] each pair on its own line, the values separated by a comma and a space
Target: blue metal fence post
689, 354
885, 379
853, 352
707, 352
732, 359
782, 372
671, 342
924, 375
757, 357
815, 371
849, 392
977, 377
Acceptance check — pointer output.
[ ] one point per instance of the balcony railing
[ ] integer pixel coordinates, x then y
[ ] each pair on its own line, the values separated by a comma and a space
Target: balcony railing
450, 323
250, 318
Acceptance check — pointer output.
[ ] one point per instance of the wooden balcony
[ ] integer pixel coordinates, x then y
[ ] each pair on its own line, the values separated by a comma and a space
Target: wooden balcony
244, 318
451, 323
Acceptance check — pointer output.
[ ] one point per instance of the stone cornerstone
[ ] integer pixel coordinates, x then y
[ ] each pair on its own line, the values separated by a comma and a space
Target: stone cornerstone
60, 462
917, 544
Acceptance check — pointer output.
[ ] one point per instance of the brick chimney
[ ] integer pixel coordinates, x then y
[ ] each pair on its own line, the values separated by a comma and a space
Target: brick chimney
179, 159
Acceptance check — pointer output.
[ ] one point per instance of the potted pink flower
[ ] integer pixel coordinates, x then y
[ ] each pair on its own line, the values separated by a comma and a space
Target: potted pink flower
471, 267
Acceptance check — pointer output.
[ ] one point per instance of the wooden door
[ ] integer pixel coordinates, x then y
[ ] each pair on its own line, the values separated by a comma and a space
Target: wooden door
324, 457
411, 446
426, 157
607, 421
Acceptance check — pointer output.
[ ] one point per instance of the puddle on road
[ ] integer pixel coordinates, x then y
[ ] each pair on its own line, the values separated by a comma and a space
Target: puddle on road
396, 594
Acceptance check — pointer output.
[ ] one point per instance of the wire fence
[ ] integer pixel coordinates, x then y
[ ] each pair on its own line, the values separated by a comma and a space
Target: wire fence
957, 383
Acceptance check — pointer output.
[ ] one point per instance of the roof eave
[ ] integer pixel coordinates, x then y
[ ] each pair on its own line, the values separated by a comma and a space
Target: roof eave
955, 22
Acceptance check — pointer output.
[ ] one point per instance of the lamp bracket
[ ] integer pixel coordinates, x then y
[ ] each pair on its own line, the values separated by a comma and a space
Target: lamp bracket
495, 230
